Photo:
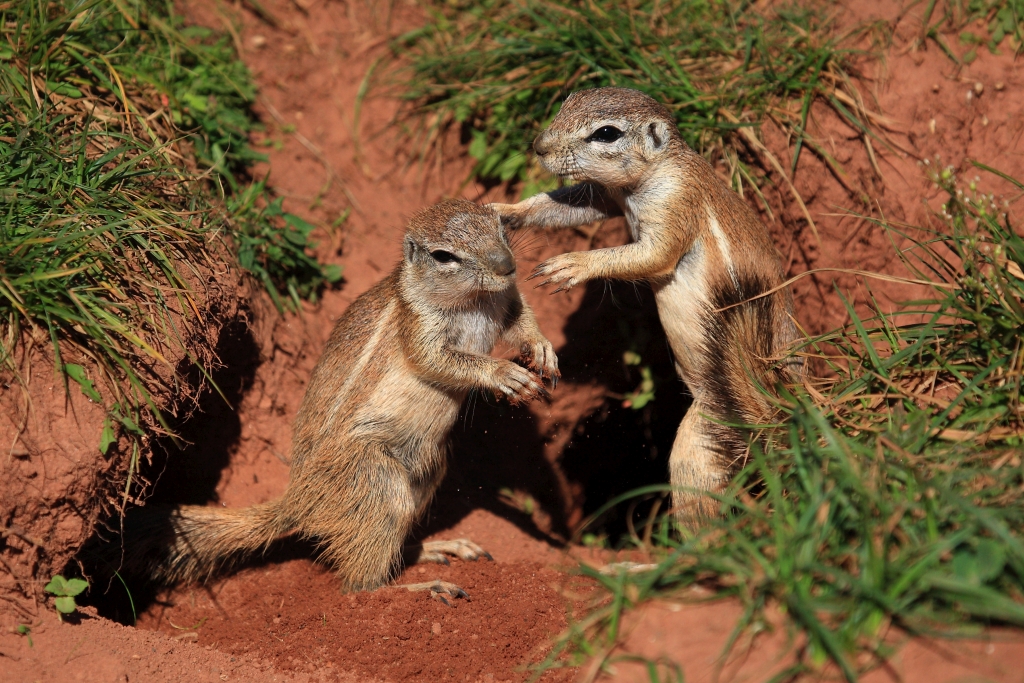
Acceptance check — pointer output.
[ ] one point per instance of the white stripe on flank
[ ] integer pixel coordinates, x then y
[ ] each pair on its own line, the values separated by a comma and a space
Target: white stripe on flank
360, 364
723, 246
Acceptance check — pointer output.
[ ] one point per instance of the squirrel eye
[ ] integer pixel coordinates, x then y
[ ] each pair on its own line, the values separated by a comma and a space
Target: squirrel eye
605, 134
442, 256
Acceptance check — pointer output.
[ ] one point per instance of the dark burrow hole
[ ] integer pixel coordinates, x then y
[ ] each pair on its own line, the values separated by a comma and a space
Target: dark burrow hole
620, 448
612, 451
186, 472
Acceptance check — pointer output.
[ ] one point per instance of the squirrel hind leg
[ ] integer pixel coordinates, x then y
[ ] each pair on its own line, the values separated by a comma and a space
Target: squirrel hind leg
361, 535
695, 467
437, 552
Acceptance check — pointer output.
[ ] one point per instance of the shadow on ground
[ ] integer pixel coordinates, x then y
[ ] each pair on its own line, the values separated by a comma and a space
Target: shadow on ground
183, 472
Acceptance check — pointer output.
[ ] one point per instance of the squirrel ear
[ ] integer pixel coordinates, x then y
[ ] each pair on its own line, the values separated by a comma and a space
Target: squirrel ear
658, 133
409, 249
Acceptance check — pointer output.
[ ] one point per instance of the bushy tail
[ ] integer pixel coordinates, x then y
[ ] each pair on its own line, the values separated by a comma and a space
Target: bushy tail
744, 369
191, 543
753, 371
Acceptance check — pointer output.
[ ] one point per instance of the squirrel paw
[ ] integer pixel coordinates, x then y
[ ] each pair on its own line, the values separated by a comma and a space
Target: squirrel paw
564, 270
462, 548
518, 384
541, 356
439, 590
510, 218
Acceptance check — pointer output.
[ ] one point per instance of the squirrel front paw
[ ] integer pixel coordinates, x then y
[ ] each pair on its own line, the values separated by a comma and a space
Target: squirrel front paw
517, 383
510, 217
565, 270
540, 354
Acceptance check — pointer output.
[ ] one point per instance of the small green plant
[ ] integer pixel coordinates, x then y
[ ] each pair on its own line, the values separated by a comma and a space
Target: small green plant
594, 540
25, 630
644, 393
272, 244
65, 590
1003, 19
519, 500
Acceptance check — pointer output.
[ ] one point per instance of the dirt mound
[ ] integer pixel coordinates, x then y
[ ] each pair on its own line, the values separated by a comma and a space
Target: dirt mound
113, 251
93, 649
55, 483
50, 457
298, 619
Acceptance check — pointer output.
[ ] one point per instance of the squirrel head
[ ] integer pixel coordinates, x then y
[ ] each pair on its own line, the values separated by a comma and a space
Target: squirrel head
455, 251
611, 136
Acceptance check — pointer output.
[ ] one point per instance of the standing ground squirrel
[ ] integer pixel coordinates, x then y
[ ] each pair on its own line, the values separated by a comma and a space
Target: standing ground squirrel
370, 438
703, 250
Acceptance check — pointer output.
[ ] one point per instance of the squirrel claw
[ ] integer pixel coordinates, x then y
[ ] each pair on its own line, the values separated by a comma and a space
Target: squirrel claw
518, 384
438, 590
541, 358
566, 271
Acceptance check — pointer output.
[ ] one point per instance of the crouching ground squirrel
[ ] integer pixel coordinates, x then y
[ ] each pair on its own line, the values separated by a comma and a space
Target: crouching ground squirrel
370, 438
704, 252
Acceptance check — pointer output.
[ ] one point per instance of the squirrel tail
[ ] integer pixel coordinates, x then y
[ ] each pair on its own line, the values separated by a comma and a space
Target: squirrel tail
193, 542
744, 369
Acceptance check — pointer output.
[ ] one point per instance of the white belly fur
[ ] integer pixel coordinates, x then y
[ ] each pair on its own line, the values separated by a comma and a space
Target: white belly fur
400, 398
681, 300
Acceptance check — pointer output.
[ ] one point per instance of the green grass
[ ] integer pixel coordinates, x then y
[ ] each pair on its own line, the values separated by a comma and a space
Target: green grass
891, 495
1003, 21
500, 71
123, 136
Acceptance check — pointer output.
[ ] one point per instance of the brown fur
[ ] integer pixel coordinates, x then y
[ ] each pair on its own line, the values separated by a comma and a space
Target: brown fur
701, 248
370, 438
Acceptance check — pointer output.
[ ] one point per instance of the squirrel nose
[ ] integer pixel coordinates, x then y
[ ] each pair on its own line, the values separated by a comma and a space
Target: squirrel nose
502, 263
542, 145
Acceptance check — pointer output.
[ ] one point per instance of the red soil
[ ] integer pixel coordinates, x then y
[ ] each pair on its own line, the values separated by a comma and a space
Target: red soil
694, 635
935, 113
97, 650
294, 615
520, 479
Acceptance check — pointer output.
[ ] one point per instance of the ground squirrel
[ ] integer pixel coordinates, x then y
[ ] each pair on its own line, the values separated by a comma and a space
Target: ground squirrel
704, 252
370, 438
